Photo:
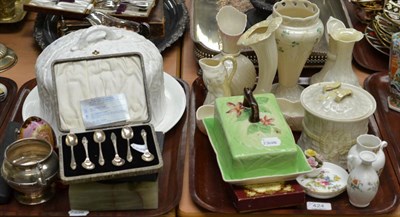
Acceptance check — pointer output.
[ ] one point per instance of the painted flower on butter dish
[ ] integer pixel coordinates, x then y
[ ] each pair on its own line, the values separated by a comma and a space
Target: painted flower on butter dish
314, 159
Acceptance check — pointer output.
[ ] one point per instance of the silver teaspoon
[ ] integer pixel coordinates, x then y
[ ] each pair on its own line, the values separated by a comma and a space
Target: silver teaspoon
71, 140
117, 161
127, 133
99, 137
146, 156
87, 164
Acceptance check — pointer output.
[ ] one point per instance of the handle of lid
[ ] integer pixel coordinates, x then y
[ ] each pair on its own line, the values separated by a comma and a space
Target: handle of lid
98, 33
250, 101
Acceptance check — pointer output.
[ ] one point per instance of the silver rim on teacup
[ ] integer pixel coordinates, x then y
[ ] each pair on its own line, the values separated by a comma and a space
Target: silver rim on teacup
30, 167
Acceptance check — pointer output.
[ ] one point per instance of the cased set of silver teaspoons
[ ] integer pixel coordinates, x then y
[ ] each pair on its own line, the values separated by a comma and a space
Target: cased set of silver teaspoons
99, 137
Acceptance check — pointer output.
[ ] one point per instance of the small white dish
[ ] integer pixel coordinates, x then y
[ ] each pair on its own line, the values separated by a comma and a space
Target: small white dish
204, 111
329, 183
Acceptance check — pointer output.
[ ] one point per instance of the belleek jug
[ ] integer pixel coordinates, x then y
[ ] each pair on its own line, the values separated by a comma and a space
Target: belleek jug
367, 142
231, 25
216, 77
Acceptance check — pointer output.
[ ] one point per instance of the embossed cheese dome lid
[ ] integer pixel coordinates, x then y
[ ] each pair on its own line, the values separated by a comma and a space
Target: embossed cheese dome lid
338, 101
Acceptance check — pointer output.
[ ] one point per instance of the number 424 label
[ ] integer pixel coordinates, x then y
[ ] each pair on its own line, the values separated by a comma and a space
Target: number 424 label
318, 206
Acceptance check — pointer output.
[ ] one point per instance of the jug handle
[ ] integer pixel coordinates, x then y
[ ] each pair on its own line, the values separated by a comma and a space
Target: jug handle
84, 41
234, 67
383, 144
228, 81
41, 180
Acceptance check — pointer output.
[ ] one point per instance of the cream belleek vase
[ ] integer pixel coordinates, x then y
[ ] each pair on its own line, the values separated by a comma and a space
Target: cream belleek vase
331, 26
342, 70
300, 30
231, 25
216, 77
261, 38
363, 182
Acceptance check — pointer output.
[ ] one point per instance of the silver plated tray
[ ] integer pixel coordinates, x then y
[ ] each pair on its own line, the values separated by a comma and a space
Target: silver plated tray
204, 30
46, 29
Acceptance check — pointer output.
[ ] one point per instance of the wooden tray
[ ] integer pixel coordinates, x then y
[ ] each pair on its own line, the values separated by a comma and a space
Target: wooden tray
387, 120
170, 178
6, 105
208, 190
363, 53
204, 29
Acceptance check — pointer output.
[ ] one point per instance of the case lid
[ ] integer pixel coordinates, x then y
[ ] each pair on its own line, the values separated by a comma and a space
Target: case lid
100, 91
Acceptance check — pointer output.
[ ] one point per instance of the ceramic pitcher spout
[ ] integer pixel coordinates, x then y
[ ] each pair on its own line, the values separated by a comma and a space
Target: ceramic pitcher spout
261, 38
231, 24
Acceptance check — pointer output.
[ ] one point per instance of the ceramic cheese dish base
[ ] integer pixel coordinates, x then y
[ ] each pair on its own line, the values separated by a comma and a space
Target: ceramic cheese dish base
262, 175
94, 42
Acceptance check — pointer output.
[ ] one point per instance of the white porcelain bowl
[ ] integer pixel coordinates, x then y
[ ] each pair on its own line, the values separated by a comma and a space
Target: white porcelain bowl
293, 113
331, 181
202, 112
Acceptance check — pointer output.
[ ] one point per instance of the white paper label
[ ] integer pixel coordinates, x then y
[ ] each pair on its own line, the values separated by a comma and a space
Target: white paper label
271, 141
75, 212
319, 206
105, 110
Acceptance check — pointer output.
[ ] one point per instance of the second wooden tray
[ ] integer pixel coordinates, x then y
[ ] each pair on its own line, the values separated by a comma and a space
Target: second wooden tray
210, 192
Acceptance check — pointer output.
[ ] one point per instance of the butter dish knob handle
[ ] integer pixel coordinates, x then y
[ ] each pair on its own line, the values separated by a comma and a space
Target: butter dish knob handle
250, 101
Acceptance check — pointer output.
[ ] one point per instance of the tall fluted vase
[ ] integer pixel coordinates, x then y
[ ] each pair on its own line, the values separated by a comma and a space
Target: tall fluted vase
332, 25
231, 25
300, 30
342, 69
261, 38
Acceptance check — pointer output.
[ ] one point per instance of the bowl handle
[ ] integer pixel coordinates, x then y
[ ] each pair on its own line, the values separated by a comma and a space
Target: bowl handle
41, 180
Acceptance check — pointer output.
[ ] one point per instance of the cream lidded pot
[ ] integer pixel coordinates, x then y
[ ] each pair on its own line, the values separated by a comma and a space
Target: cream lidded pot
30, 167
335, 115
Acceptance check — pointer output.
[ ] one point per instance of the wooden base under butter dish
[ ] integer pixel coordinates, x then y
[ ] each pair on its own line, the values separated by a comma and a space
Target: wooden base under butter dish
259, 197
